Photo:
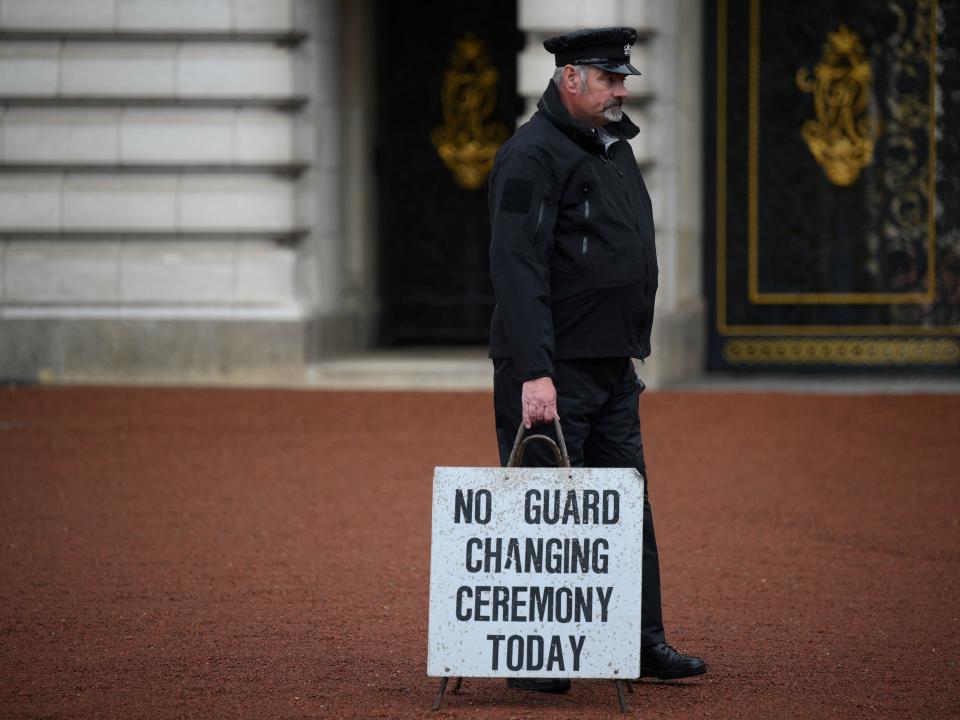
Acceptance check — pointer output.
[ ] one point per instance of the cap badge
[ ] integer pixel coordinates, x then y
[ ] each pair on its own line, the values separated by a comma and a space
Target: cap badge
626, 49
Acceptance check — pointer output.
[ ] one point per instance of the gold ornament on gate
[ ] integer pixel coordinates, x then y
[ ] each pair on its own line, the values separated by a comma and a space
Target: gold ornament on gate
465, 142
840, 138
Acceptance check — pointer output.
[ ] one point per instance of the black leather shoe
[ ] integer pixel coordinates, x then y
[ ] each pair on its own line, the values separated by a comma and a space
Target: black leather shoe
547, 685
663, 662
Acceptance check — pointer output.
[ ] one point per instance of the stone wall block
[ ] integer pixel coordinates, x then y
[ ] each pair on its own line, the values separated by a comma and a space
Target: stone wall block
264, 274
261, 16
536, 14
598, 13
49, 271
30, 202
535, 67
636, 13
327, 86
320, 202
29, 69
661, 67
57, 14
171, 136
118, 69
654, 182
560, 16
665, 215
4, 244
226, 70
664, 16
175, 14
25, 348
94, 202
679, 344
258, 351
263, 137
35, 135
179, 272
306, 137
689, 263
658, 15
235, 203
662, 129
324, 15
330, 137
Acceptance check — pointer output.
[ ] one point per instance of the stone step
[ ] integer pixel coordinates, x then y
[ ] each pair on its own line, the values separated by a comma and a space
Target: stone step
413, 369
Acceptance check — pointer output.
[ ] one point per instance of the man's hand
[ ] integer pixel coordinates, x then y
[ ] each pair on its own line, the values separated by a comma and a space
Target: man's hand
539, 402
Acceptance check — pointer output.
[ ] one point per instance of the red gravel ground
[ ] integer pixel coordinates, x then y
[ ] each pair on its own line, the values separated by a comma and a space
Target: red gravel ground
265, 554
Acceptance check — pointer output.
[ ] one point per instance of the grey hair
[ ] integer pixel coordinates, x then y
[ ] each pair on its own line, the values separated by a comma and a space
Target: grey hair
581, 71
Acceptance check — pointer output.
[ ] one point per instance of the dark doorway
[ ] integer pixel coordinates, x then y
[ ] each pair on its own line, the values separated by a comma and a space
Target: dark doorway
446, 99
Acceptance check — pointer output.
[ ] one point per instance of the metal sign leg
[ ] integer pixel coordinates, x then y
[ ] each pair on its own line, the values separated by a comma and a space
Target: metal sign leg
621, 696
443, 689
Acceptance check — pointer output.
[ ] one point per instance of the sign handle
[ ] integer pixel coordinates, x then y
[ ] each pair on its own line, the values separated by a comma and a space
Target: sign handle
559, 452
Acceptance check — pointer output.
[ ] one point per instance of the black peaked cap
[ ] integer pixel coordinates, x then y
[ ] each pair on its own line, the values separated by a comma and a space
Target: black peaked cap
608, 48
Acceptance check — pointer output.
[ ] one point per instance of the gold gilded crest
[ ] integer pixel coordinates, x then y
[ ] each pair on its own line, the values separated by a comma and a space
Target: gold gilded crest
840, 138
465, 142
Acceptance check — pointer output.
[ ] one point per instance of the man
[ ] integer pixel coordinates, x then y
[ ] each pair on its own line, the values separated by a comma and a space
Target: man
574, 271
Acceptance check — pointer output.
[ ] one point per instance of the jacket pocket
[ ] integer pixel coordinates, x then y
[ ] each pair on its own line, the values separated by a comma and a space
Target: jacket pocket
543, 216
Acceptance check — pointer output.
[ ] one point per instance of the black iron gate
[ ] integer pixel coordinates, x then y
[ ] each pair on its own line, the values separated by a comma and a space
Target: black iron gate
833, 185
446, 78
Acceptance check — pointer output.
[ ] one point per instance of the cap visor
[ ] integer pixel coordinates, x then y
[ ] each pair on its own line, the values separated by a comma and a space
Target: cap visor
617, 67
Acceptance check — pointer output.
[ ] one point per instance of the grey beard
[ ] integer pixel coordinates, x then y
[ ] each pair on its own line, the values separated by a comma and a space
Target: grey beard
613, 114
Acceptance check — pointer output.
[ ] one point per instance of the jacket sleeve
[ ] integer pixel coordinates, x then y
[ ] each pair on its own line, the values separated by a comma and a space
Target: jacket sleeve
523, 211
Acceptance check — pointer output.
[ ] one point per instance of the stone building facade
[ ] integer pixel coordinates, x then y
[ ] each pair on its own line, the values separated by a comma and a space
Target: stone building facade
187, 189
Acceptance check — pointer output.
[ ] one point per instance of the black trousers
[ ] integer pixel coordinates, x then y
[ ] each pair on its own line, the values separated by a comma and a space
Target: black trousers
598, 402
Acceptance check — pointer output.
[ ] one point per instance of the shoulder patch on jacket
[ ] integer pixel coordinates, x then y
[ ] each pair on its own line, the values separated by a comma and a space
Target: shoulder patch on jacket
517, 195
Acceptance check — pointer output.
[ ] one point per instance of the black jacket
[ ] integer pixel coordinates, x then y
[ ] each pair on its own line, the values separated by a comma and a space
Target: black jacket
572, 256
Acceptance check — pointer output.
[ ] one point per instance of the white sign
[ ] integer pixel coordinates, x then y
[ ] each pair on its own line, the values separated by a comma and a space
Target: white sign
536, 572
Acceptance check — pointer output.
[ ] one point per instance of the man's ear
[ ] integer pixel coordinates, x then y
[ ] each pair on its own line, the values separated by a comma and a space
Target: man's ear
571, 80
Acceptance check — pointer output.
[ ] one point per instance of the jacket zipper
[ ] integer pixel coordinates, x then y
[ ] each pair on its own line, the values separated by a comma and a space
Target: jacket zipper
610, 163
586, 216
606, 156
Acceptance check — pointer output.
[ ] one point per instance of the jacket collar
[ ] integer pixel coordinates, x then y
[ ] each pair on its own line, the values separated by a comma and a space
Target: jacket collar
551, 106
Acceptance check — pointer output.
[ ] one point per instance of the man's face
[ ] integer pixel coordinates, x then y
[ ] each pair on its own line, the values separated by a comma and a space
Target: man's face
600, 101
